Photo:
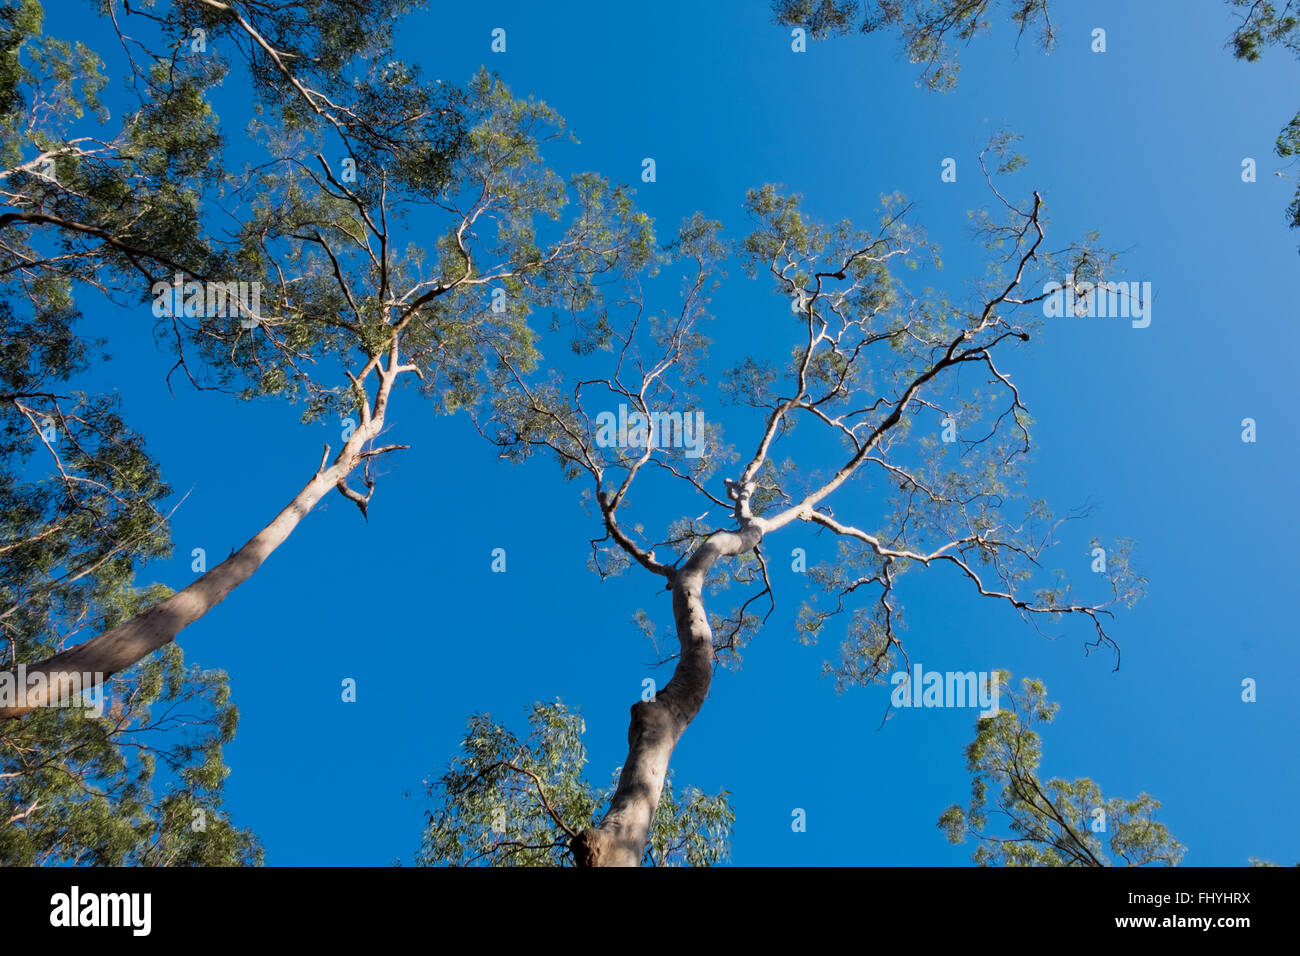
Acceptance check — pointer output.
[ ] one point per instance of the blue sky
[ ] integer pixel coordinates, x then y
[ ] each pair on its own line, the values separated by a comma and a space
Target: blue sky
1143, 143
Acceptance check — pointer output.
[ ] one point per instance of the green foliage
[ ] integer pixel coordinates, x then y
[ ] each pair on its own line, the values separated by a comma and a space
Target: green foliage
1263, 24
84, 790
510, 802
1018, 819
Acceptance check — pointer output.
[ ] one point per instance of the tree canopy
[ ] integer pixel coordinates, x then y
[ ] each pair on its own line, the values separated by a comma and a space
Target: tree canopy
370, 238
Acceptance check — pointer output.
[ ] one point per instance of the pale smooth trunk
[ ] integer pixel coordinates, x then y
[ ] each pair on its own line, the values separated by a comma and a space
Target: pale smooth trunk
656, 725
133, 640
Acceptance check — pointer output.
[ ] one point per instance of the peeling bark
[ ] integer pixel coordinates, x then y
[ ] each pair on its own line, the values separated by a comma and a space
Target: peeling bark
656, 725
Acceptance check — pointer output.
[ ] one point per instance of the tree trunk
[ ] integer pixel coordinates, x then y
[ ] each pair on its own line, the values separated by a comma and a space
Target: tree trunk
656, 725
133, 640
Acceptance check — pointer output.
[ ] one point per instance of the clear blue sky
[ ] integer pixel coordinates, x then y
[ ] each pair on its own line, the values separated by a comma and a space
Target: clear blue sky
1143, 142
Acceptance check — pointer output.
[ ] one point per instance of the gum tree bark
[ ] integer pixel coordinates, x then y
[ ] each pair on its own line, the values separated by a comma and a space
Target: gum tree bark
131, 641
656, 725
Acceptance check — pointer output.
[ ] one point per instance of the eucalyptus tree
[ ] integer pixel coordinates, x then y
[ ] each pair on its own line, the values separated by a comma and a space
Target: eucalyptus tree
872, 370
349, 289
113, 204
1018, 819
